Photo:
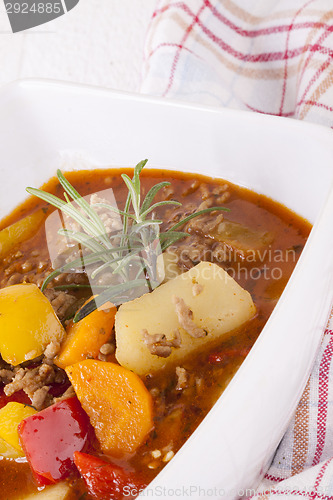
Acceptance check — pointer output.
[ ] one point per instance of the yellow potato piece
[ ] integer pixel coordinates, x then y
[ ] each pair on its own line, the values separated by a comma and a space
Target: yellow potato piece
220, 307
27, 323
58, 491
10, 417
20, 231
166, 266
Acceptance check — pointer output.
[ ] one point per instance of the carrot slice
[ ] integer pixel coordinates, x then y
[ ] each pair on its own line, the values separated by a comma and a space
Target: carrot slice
117, 402
85, 338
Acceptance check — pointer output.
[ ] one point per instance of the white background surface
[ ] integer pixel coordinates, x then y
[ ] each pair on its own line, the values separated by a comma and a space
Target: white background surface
99, 42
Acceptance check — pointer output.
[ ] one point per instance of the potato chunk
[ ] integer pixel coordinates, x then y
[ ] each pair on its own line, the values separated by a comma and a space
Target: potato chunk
58, 491
27, 323
202, 305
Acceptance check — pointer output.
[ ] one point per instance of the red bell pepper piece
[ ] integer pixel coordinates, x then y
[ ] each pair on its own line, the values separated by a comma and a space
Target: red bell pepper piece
107, 481
17, 397
223, 356
50, 438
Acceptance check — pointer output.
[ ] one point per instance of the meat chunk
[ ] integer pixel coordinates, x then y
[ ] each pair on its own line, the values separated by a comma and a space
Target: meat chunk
159, 345
106, 349
39, 396
111, 220
185, 318
51, 351
197, 289
182, 378
32, 380
6, 375
69, 393
60, 301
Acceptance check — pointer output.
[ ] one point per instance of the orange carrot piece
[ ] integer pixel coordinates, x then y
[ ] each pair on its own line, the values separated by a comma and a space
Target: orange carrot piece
85, 338
117, 402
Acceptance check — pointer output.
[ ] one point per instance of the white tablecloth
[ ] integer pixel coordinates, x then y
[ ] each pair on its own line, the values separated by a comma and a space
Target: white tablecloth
99, 42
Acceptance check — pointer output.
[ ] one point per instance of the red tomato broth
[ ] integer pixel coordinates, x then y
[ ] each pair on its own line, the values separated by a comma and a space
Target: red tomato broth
177, 412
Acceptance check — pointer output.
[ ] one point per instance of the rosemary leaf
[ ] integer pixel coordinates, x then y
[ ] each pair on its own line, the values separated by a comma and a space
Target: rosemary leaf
169, 239
114, 209
137, 227
151, 195
132, 252
136, 177
134, 197
120, 259
67, 208
160, 204
85, 206
85, 240
107, 295
69, 286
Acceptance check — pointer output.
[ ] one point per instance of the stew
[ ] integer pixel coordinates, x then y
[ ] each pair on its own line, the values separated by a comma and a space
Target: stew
122, 393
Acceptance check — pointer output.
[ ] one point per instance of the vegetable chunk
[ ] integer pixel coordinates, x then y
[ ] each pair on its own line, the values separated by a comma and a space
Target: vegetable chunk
27, 323
117, 402
50, 438
20, 231
107, 481
58, 491
201, 306
11, 416
85, 338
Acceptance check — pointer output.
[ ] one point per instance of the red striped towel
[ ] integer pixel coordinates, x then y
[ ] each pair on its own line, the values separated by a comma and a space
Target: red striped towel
272, 56
275, 57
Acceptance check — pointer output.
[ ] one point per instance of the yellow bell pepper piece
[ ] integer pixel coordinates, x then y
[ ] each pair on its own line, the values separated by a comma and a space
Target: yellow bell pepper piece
10, 417
20, 231
7, 451
27, 323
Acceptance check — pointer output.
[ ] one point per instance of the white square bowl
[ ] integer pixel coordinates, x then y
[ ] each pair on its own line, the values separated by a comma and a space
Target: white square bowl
47, 124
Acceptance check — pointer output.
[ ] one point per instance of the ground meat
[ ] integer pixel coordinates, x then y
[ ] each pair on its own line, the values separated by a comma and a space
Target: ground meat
14, 279
39, 396
197, 289
159, 345
34, 381
185, 318
105, 351
219, 194
6, 375
18, 269
193, 250
167, 192
51, 351
61, 302
205, 224
174, 215
111, 220
199, 245
193, 187
31, 380
182, 378
69, 393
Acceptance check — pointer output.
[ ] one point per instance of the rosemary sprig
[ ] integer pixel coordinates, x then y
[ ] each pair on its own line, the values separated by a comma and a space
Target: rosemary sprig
130, 256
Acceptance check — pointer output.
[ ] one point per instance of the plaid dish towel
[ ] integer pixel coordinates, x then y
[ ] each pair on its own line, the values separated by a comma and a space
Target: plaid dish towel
275, 57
